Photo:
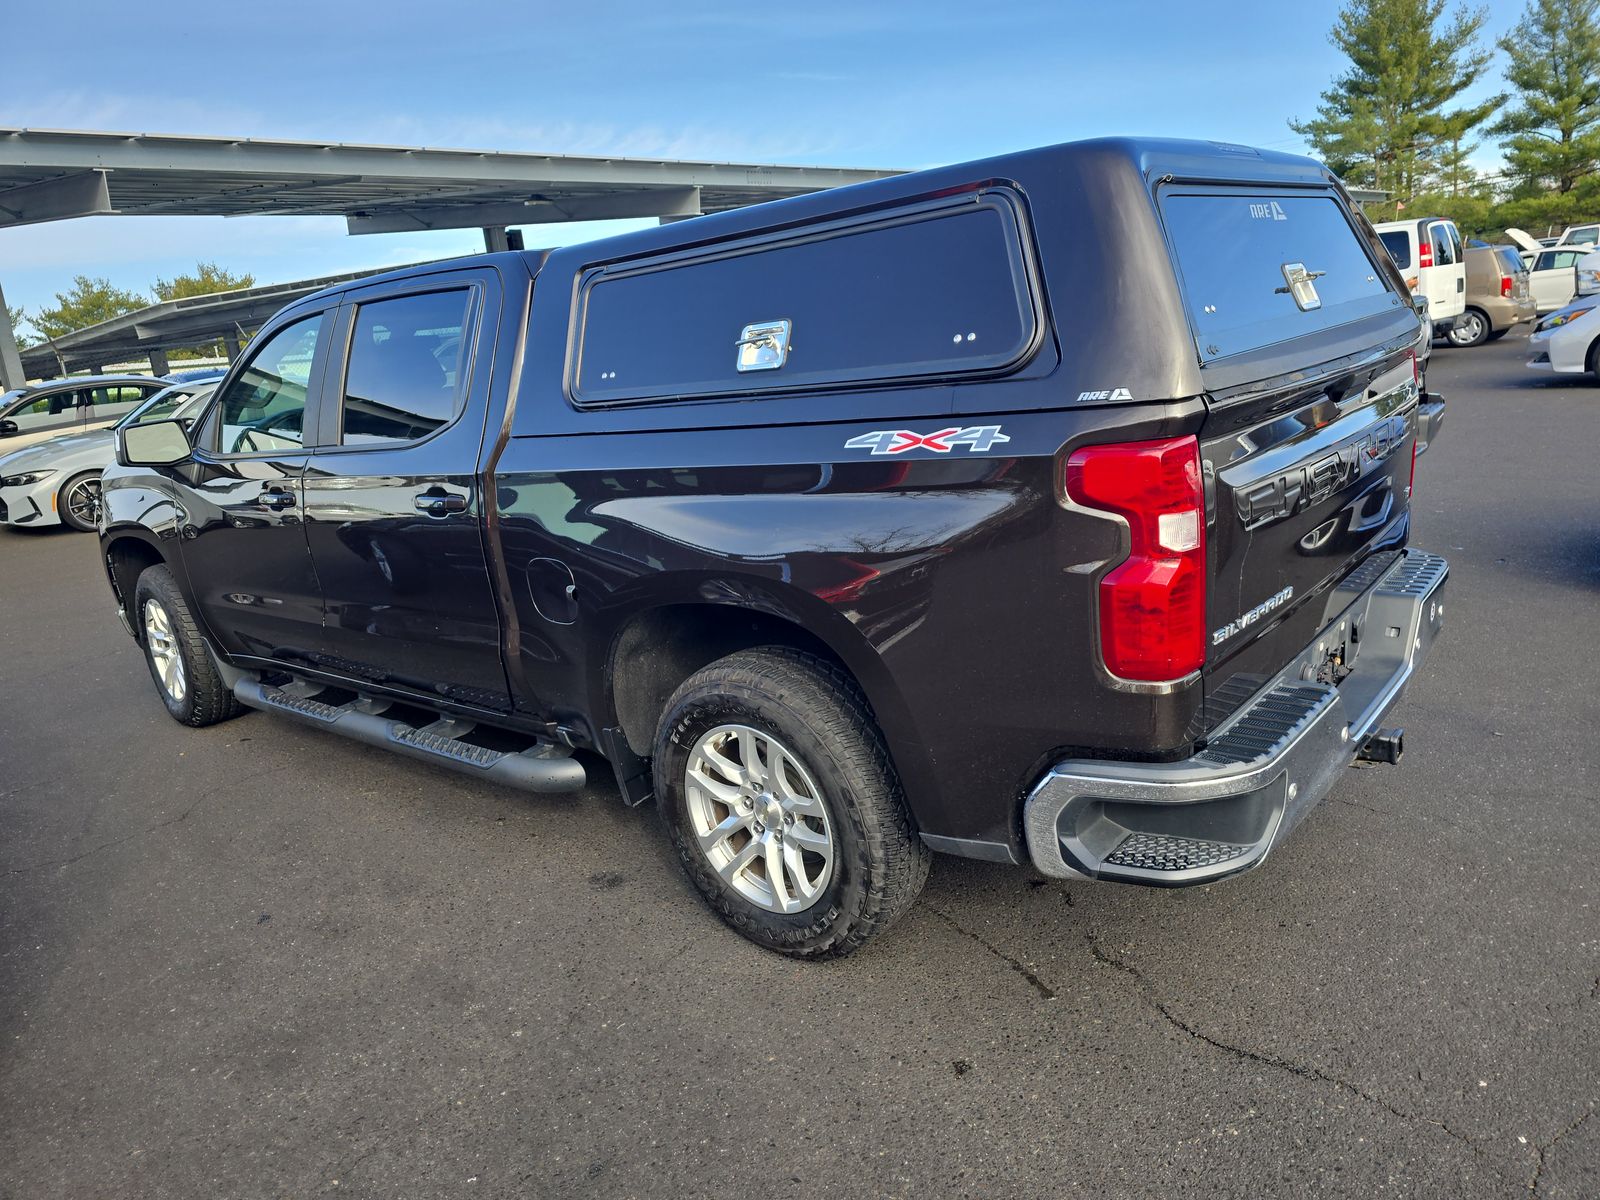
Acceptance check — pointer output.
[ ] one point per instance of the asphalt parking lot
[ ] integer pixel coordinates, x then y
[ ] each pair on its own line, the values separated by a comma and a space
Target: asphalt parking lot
255, 960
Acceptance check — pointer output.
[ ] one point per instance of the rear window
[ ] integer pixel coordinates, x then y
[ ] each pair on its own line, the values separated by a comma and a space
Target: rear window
1236, 253
1398, 243
944, 290
1446, 244
1510, 260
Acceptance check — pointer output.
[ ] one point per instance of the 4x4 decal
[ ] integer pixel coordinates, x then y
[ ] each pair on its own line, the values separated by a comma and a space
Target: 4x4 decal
978, 438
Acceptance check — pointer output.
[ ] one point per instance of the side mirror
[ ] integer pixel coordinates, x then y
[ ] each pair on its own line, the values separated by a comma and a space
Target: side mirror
158, 444
7, 428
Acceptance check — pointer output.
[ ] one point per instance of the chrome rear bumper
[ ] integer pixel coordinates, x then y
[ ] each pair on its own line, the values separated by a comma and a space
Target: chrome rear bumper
1221, 811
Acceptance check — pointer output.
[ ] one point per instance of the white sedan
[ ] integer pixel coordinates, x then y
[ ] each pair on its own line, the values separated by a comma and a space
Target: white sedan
1567, 341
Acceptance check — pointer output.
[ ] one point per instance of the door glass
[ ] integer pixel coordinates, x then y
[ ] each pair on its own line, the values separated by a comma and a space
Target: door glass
404, 377
264, 408
1444, 251
47, 411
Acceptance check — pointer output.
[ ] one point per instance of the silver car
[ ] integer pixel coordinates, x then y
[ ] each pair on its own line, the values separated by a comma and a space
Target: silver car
58, 482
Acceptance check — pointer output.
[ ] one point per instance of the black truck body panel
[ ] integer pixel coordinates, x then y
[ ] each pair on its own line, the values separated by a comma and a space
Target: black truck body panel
953, 579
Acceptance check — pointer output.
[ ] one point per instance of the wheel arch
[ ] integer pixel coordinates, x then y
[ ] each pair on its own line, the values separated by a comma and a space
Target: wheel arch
654, 645
127, 554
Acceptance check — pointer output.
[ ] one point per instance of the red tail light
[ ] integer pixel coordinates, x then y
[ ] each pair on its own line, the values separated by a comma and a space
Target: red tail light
1505, 285
1425, 254
1152, 605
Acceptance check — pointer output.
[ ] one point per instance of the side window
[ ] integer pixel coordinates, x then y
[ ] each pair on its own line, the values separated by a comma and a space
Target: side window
1398, 244
1545, 261
1567, 259
944, 291
405, 375
1585, 236
47, 410
264, 408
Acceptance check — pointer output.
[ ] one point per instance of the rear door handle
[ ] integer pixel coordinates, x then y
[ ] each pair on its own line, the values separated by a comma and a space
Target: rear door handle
275, 498
437, 502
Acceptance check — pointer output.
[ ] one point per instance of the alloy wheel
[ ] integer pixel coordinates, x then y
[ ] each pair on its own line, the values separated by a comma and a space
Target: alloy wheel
82, 502
163, 649
759, 818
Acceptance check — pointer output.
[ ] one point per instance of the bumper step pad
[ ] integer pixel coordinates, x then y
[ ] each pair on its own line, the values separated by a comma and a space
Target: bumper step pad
1163, 852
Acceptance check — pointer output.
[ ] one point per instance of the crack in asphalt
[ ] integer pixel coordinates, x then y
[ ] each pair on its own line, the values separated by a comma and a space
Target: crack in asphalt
1540, 1151
1301, 1070
136, 834
1017, 965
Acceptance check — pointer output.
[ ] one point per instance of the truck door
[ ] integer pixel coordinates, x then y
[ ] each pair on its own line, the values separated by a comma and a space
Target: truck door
243, 541
393, 511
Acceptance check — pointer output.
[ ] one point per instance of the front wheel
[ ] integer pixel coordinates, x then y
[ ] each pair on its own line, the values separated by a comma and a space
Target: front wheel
780, 799
1471, 329
78, 502
176, 653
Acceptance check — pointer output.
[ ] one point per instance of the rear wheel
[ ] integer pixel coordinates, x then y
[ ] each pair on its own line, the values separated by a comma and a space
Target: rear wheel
780, 799
1471, 329
1592, 361
179, 662
78, 502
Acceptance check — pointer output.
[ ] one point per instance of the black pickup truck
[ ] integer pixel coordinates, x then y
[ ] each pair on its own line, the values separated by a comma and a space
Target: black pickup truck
1052, 508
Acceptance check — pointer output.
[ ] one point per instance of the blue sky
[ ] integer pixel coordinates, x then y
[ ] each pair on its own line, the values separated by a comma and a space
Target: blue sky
839, 84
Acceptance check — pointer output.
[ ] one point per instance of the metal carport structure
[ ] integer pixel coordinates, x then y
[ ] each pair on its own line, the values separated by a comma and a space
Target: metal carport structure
53, 175
170, 325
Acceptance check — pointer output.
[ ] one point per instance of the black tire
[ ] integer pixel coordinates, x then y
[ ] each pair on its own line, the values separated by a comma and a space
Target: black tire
68, 499
1471, 329
1496, 334
205, 698
1592, 361
818, 714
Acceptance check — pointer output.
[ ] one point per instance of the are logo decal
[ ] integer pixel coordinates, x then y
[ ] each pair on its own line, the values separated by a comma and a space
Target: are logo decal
1114, 395
1270, 211
977, 438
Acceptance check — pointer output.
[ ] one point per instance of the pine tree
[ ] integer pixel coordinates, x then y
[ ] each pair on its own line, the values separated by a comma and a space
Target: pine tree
1553, 130
1381, 121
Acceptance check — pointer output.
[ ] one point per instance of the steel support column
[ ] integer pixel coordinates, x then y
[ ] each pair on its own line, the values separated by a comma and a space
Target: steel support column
158, 362
10, 361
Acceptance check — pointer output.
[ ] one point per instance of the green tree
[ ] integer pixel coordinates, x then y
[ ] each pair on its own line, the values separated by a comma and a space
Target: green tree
1384, 120
1552, 131
19, 318
87, 302
207, 278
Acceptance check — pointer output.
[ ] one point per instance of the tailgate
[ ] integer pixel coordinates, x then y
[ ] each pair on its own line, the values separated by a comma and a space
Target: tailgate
1303, 333
1301, 498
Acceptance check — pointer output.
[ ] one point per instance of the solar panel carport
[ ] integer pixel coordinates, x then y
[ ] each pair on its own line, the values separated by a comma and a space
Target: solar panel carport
52, 175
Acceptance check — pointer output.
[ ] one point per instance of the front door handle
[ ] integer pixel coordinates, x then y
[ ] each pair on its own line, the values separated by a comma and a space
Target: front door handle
275, 498
437, 502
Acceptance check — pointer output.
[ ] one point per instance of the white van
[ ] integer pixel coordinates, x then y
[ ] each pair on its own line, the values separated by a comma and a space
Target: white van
1428, 252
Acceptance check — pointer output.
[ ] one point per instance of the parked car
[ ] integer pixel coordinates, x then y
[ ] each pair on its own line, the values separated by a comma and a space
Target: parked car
1498, 296
1428, 252
828, 532
1567, 341
57, 482
46, 410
